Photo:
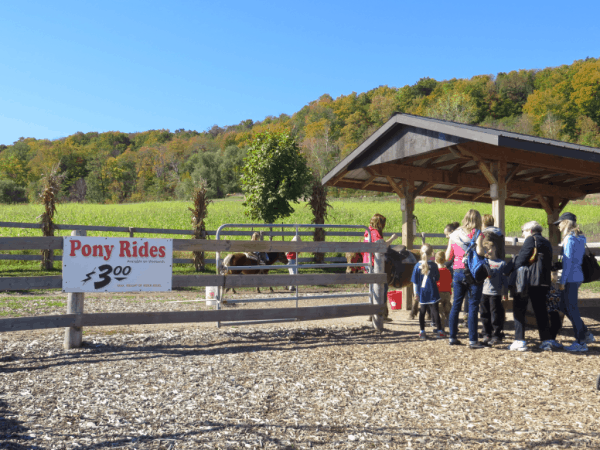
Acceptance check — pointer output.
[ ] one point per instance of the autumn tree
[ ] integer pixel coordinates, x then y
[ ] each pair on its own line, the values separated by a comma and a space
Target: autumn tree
454, 106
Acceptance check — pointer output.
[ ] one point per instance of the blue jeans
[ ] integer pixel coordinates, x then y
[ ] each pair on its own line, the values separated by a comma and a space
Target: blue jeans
568, 305
460, 288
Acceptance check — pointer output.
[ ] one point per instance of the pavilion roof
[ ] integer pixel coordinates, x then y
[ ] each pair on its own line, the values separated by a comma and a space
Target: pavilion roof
451, 160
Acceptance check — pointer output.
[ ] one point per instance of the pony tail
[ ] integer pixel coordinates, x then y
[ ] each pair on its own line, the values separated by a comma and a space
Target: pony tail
426, 252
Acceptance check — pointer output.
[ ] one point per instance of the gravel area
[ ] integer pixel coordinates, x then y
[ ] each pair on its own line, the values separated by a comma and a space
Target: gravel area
324, 384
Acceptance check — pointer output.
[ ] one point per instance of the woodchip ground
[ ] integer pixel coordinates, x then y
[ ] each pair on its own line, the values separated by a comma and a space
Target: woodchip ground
325, 384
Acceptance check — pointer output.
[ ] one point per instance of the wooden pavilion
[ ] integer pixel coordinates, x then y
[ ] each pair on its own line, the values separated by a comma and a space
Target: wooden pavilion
418, 156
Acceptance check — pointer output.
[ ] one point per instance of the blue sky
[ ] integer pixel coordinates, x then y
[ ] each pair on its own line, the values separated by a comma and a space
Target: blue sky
134, 66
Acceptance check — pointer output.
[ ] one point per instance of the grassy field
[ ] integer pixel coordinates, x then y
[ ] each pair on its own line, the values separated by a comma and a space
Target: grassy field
432, 216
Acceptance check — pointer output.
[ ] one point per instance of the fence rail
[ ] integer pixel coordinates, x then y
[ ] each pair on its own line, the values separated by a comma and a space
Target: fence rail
144, 318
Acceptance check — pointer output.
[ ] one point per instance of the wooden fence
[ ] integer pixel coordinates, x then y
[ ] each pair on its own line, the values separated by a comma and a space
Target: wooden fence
513, 244
75, 320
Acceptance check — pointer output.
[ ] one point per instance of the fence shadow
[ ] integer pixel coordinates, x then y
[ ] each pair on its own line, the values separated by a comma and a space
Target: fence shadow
233, 342
12, 430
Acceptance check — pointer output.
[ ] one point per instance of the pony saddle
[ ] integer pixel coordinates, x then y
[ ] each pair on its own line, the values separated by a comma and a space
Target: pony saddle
256, 256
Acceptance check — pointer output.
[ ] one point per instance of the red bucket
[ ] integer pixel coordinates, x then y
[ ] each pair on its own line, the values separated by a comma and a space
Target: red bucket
395, 299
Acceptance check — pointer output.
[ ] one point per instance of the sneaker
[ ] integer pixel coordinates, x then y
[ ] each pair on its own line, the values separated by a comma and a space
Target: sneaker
495, 341
292, 288
486, 340
577, 347
475, 345
589, 338
520, 346
556, 344
439, 334
546, 345
454, 341
422, 335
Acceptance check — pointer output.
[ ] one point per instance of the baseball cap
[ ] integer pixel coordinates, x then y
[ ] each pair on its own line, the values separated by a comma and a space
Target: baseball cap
566, 216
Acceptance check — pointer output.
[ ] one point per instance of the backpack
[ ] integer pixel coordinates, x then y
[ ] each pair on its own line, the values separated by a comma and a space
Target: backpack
589, 267
475, 268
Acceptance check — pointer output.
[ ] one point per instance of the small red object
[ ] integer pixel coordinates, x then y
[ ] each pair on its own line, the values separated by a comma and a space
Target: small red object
395, 299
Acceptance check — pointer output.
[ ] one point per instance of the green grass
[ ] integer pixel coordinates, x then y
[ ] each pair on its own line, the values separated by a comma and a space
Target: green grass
432, 214
14, 305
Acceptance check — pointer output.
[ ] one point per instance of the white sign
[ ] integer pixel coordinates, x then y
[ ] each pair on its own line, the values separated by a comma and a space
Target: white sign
97, 264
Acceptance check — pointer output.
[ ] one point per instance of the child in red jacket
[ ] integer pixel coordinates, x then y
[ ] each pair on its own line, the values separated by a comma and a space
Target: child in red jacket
444, 287
292, 258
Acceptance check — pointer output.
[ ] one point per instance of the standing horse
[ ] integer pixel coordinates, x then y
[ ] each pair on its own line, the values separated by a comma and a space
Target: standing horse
399, 264
242, 259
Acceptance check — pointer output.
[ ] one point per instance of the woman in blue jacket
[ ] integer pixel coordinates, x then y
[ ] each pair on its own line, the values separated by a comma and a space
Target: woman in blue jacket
571, 278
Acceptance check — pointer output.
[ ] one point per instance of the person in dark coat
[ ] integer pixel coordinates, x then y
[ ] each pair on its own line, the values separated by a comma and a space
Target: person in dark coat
538, 247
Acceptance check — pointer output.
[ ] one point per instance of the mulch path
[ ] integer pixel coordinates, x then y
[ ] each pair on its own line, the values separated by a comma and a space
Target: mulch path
324, 384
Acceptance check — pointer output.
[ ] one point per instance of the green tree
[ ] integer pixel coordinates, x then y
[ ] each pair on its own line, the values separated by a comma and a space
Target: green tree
98, 179
275, 174
454, 106
11, 192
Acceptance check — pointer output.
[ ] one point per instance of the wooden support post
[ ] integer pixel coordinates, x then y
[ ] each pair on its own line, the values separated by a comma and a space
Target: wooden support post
498, 194
73, 335
408, 207
557, 205
378, 289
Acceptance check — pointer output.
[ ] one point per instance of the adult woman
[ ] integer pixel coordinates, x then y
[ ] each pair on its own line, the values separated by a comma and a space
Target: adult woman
376, 227
572, 277
539, 249
459, 242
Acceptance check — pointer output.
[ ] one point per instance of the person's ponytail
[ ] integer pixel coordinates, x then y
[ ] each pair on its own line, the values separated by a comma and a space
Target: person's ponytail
426, 252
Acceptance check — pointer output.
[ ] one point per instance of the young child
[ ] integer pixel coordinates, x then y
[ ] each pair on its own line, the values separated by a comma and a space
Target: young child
261, 257
553, 301
291, 257
491, 308
424, 278
450, 228
444, 287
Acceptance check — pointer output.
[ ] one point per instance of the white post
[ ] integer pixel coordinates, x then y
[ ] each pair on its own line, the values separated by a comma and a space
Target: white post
379, 267
73, 335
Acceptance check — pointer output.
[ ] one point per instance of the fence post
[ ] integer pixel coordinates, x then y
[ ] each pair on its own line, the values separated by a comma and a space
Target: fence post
378, 289
73, 335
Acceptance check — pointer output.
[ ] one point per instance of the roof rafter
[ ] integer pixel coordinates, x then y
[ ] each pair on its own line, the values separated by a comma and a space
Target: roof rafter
471, 180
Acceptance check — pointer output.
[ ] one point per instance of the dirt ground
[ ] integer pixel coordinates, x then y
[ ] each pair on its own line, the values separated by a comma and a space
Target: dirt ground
321, 384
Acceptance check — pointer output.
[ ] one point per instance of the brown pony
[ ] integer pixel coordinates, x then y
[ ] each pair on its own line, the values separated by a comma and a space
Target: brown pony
240, 259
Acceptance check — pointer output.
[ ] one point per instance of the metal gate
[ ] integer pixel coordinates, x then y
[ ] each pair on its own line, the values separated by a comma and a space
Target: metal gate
221, 293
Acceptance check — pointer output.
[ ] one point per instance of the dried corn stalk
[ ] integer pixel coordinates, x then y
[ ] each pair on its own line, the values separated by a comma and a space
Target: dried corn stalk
49, 198
199, 213
318, 205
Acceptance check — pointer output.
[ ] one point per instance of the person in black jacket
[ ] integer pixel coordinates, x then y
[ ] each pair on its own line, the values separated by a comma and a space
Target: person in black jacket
537, 246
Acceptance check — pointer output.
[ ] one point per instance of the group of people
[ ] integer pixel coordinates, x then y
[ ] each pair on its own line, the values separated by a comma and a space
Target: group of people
531, 276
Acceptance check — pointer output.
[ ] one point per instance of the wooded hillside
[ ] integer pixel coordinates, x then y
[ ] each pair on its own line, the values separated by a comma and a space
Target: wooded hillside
558, 103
